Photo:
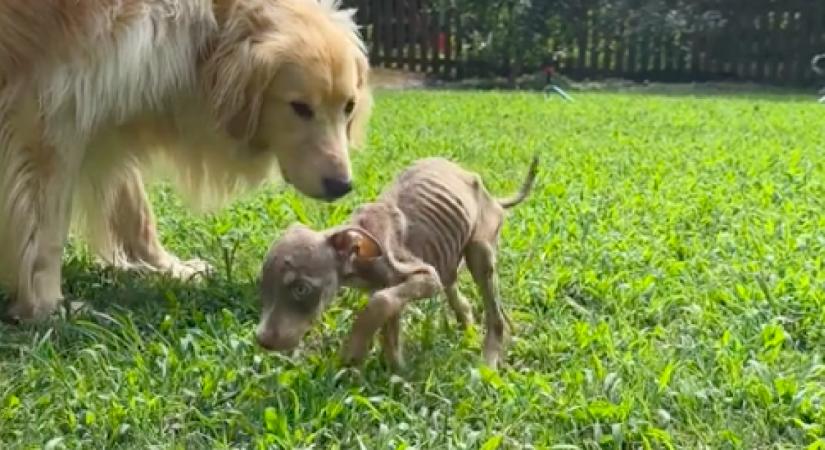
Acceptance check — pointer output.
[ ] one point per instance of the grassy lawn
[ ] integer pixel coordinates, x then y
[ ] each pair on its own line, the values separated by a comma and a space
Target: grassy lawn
666, 280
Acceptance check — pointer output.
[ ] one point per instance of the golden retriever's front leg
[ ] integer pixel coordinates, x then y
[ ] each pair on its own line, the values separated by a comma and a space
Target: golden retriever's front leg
129, 225
37, 190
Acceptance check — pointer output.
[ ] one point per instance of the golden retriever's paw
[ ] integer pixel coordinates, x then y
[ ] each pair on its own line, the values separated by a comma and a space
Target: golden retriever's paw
190, 269
20, 311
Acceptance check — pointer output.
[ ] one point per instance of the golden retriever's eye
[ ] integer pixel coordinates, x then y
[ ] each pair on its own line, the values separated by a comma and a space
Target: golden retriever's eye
349, 107
302, 110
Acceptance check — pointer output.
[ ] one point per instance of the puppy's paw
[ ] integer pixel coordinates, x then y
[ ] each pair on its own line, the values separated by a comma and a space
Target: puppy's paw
396, 364
493, 358
353, 354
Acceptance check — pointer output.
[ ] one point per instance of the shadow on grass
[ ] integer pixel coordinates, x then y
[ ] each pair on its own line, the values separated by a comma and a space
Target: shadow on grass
148, 307
108, 296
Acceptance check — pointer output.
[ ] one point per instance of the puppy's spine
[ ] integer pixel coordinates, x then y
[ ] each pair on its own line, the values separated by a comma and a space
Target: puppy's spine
526, 187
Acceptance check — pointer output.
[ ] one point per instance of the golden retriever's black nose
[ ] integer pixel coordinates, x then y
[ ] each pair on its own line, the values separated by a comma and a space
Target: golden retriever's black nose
335, 188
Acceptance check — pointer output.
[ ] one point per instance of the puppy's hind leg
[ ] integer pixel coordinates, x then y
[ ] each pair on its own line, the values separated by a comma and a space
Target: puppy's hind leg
481, 260
121, 226
460, 306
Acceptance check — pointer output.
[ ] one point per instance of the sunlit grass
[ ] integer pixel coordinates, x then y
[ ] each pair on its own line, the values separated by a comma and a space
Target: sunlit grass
666, 279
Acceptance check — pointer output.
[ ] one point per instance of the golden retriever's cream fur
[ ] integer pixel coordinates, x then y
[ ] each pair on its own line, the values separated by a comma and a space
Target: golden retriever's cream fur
227, 90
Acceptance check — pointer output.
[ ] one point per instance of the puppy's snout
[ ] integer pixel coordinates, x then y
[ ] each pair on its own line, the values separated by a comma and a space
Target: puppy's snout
273, 342
335, 188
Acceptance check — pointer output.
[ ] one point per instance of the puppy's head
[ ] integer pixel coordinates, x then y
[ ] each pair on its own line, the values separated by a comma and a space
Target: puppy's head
289, 78
302, 274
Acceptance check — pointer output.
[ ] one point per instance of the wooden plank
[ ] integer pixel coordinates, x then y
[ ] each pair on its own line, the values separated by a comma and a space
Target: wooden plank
791, 44
743, 30
660, 52
803, 49
440, 35
449, 58
711, 53
393, 32
668, 53
633, 49
581, 46
433, 36
817, 40
592, 41
374, 33
646, 53
383, 26
619, 51
424, 47
775, 43
757, 30
679, 55
459, 47
696, 50
402, 23
416, 35
411, 44
762, 41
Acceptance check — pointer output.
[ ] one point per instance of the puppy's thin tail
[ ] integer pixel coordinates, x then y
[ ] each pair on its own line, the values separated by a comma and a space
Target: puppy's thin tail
526, 187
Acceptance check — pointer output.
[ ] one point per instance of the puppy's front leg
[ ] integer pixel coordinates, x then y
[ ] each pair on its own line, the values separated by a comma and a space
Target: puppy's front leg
391, 343
385, 305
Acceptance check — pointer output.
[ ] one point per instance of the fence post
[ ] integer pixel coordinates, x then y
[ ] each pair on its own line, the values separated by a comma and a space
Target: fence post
460, 59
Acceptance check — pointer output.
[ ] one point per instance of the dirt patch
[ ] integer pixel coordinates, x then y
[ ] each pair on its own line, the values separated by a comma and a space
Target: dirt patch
381, 78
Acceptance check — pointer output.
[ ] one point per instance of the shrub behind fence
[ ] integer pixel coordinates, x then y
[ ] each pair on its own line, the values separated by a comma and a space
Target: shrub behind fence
660, 40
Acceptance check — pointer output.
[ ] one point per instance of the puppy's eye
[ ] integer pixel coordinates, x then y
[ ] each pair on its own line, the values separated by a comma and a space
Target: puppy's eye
302, 110
350, 106
300, 290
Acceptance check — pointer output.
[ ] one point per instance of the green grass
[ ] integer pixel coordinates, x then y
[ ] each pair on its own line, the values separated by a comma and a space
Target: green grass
666, 279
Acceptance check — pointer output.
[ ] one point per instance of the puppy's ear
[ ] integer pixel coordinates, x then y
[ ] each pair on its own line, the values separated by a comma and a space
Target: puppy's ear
355, 243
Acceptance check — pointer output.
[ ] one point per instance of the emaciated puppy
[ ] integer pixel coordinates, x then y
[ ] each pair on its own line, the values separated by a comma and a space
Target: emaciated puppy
407, 245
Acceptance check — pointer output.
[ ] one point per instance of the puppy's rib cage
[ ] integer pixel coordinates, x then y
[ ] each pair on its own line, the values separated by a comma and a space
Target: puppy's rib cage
439, 202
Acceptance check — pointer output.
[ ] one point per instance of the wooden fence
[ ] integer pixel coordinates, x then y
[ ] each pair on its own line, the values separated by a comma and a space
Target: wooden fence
769, 41
411, 35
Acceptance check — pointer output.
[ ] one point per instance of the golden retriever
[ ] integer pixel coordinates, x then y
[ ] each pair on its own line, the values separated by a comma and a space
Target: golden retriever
226, 90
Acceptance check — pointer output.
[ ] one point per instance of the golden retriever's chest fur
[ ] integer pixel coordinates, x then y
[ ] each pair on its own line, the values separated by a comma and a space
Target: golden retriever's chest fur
139, 62
208, 164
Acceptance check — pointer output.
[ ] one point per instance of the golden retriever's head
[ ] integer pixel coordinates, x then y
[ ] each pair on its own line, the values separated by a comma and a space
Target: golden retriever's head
290, 77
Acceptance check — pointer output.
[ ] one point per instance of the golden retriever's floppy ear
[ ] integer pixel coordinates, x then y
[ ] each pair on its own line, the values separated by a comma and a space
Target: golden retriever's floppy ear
357, 127
235, 77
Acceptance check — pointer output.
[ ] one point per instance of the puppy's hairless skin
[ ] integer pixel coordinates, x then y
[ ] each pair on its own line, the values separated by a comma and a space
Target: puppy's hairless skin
407, 245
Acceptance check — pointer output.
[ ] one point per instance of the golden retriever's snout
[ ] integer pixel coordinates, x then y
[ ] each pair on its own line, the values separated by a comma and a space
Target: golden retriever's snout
335, 188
